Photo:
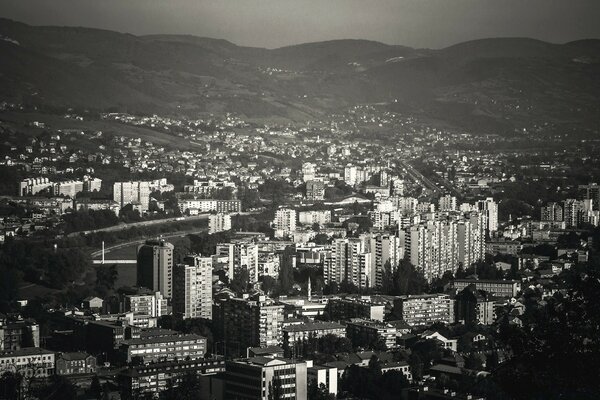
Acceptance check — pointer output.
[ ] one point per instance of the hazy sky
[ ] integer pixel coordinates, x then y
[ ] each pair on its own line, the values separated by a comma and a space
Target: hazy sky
273, 23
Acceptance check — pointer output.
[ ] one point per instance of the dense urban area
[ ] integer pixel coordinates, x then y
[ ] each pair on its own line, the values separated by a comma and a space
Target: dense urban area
366, 255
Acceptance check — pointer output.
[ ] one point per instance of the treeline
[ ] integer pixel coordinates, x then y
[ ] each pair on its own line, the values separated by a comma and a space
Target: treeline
84, 220
38, 262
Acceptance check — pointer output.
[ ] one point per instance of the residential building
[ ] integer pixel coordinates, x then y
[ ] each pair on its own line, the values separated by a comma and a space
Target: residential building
163, 348
254, 378
496, 287
349, 261
31, 362
219, 222
153, 305
490, 209
315, 190
249, 321
368, 333
298, 333
322, 375
155, 266
284, 222
33, 186
195, 206
150, 379
76, 363
447, 203
591, 191
474, 306
552, 212
308, 172
240, 254
192, 282
424, 310
125, 193
350, 307
18, 333
320, 217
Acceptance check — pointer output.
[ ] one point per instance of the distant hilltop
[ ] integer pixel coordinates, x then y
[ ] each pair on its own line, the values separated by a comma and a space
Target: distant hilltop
489, 85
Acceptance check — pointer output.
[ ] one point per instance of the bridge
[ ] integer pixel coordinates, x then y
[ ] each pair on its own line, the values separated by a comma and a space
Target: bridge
114, 262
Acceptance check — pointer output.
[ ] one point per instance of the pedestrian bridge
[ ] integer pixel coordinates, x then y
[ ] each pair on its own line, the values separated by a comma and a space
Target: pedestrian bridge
115, 262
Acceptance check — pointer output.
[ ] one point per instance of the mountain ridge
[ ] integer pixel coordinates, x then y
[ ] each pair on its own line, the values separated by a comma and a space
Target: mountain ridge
496, 79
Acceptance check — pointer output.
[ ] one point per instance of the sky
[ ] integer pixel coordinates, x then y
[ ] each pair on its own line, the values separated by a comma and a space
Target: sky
276, 23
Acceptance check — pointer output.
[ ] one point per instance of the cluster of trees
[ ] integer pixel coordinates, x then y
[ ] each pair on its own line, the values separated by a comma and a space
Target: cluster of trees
15, 386
84, 220
326, 346
402, 280
276, 191
254, 223
371, 383
198, 326
556, 352
39, 262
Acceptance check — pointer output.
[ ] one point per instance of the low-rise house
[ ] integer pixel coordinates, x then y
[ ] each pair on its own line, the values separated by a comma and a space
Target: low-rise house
76, 363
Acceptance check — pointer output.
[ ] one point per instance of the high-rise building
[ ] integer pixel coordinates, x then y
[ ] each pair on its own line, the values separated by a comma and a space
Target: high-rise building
219, 222
315, 190
590, 191
67, 188
349, 261
33, 186
447, 203
572, 212
126, 193
240, 254
350, 175
384, 248
155, 266
284, 222
152, 305
552, 212
192, 287
490, 209
471, 238
308, 171
438, 245
250, 321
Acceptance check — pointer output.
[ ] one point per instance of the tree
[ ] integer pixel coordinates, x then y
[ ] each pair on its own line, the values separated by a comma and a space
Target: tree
556, 351
182, 248
106, 278
475, 361
275, 389
188, 388
320, 239
11, 386
405, 279
241, 281
319, 392
95, 388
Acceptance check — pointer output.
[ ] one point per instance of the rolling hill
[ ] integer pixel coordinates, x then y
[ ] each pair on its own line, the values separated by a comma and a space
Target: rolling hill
488, 86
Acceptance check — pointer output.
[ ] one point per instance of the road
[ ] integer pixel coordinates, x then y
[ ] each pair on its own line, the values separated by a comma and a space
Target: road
98, 253
108, 249
419, 177
124, 226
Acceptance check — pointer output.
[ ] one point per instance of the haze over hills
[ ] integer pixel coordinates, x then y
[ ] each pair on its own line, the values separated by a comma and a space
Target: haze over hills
488, 86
